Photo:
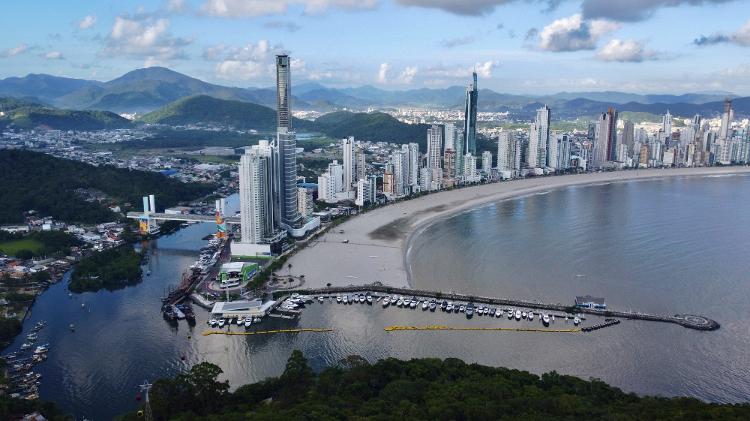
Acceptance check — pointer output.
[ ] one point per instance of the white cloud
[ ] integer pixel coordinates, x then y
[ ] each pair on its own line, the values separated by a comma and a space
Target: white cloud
87, 22
251, 8
625, 51
176, 6
54, 55
251, 61
407, 75
144, 36
14, 51
574, 33
441, 73
383, 72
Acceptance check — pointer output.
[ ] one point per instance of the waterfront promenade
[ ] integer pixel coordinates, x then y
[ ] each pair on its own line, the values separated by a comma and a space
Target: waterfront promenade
373, 247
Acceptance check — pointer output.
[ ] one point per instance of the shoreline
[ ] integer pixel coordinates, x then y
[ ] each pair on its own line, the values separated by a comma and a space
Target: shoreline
375, 246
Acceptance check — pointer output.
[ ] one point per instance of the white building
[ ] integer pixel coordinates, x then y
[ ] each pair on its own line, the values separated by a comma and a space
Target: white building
451, 134
256, 212
347, 149
435, 146
487, 162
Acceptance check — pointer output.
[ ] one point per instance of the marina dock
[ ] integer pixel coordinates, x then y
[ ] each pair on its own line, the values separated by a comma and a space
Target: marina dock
685, 320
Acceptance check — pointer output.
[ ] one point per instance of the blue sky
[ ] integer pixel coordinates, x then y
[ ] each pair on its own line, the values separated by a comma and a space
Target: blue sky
517, 46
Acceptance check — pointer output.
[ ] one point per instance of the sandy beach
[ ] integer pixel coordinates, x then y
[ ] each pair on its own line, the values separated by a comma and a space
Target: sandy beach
377, 240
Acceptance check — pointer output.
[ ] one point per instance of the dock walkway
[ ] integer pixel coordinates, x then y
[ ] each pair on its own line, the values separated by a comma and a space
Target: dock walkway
686, 320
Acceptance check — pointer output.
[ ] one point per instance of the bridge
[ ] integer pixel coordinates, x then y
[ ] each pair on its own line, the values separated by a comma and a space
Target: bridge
232, 220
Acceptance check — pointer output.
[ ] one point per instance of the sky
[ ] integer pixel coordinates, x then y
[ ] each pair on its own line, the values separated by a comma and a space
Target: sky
516, 46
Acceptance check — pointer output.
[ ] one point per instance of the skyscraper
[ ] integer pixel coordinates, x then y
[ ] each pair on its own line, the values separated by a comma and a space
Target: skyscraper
605, 140
283, 92
470, 117
450, 137
506, 152
628, 133
256, 197
286, 143
360, 166
435, 145
726, 119
347, 149
486, 162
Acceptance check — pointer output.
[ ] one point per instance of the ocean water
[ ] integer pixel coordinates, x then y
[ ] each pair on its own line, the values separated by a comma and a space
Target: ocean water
663, 246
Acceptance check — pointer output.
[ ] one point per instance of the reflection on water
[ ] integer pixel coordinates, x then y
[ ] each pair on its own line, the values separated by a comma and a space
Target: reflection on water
662, 246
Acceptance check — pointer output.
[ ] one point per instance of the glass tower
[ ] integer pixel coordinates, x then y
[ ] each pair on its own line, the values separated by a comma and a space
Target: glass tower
470, 117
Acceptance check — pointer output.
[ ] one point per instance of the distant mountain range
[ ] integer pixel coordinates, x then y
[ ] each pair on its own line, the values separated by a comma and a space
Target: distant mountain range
145, 90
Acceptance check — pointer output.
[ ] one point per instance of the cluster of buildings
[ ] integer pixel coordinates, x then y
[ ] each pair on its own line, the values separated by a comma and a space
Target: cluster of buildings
272, 204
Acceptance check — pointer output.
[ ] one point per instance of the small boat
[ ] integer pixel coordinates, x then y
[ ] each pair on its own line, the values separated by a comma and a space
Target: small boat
425, 305
320, 298
545, 320
531, 315
400, 302
345, 299
462, 308
148, 273
433, 306
386, 302
449, 307
256, 319
499, 313
248, 321
443, 305
72, 327
369, 299
518, 314
576, 321
221, 323
469, 311
480, 311
413, 304
212, 322
240, 321
553, 318
338, 299
523, 314
363, 299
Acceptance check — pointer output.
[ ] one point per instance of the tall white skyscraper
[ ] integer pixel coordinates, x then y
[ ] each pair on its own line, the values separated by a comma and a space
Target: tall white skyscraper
435, 146
411, 167
347, 149
451, 134
360, 165
487, 162
666, 125
506, 152
541, 136
532, 151
254, 186
726, 119
470, 166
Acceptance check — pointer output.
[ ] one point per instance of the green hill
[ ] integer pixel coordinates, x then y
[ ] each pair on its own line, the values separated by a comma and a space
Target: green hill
375, 127
207, 109
37, 181
29, 115
420, 389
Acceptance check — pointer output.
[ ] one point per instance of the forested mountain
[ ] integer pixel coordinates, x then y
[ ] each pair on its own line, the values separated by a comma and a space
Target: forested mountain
28, 115
371, 126
37, 181
420, 389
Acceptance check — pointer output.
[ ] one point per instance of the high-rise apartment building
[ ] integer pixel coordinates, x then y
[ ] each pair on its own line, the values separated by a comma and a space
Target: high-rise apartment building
487, 162
470, 117
435, 136
347, 149
450, 136
283, 92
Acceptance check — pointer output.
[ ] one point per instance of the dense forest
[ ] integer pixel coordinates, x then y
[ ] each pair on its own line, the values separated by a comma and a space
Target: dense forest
109, 269
378, 127
37, 181
428, 389
37, 243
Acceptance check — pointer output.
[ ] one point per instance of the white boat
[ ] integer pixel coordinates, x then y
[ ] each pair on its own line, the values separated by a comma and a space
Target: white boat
338, 298
449, 307
553, 318
510, 314
386, 302
345, 299
519, 314
531, 315
545, 320
248, 321
413, 304
499, 313
320, 298
523, 314
425, 305
576, 321
212, 322
369, 299
355, 298
221, 323
462, 308
240, 321
400, 302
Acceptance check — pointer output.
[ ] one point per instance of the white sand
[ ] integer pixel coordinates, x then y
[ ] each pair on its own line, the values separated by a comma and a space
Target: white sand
376, 250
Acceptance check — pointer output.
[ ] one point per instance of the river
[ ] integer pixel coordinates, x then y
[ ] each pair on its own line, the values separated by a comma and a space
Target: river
668, 245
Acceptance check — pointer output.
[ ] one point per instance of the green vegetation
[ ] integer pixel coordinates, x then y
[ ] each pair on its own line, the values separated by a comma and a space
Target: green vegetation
47, 184
418, 389
9, 328
38, 243
28, 115
205, 109
111, 269
371, 126
191, 140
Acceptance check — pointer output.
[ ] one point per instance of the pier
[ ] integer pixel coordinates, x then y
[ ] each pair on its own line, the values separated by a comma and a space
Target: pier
685, 320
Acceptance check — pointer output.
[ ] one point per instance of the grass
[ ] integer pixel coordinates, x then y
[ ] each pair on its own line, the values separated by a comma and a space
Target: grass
13, 246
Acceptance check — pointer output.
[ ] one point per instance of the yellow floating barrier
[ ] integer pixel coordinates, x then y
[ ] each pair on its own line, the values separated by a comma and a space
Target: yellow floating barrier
486, 329
264, 332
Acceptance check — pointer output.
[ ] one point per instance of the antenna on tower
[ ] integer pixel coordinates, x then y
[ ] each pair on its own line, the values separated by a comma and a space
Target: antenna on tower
145, 388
